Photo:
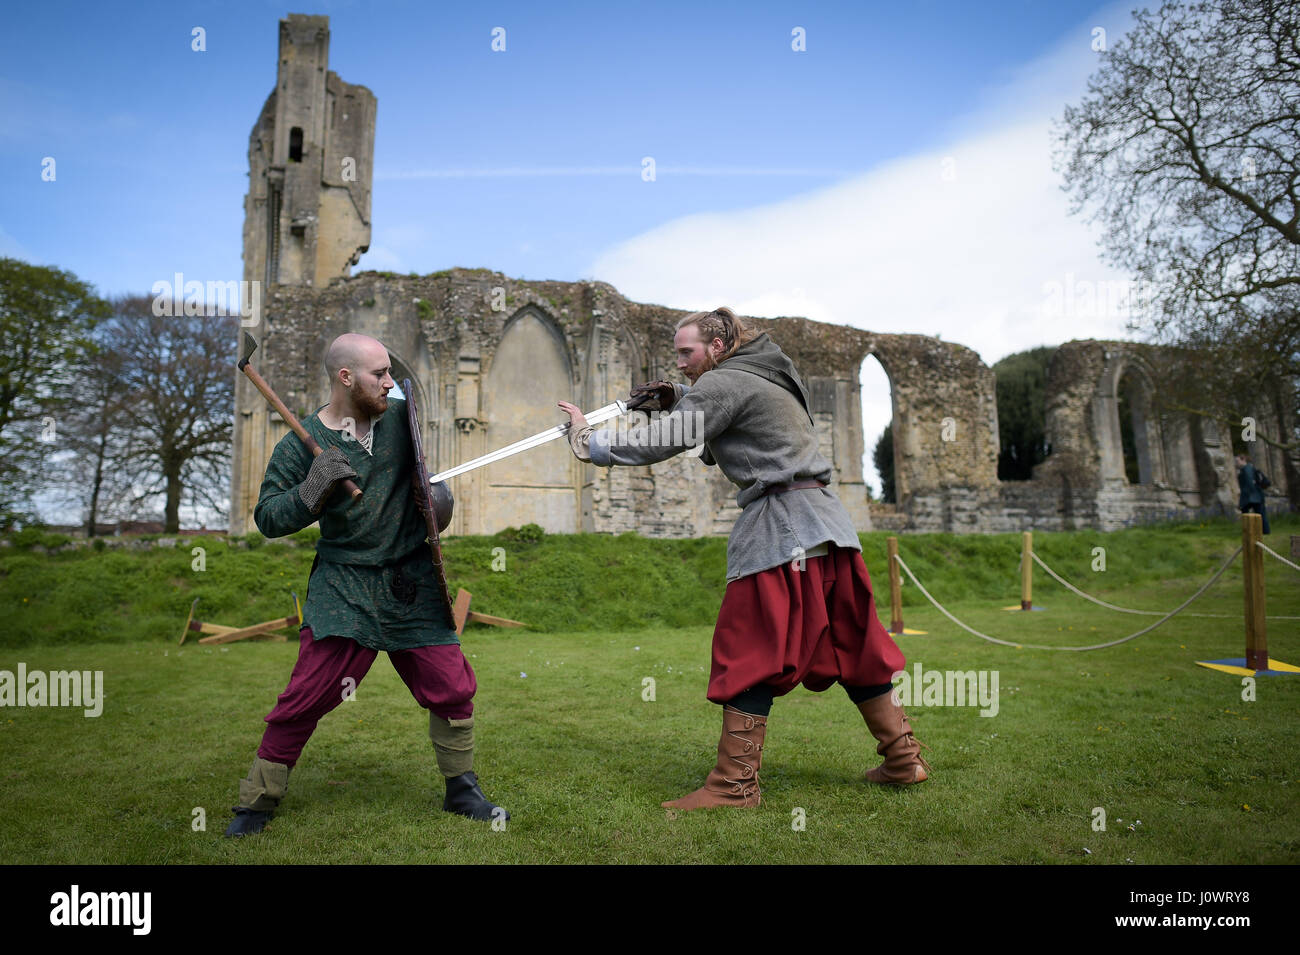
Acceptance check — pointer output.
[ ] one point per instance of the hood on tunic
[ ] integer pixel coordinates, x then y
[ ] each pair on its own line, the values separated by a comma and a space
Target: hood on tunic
764, 357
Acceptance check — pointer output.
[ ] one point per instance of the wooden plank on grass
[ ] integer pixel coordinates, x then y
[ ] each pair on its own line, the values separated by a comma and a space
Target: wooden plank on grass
476, 617
246, 632
460, 612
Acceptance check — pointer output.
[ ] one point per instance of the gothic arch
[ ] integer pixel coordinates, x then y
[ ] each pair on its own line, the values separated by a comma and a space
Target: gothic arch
1133, 400
869, 440
529, 368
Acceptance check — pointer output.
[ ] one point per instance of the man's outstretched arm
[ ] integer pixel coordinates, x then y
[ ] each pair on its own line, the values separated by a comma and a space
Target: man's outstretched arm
697, 418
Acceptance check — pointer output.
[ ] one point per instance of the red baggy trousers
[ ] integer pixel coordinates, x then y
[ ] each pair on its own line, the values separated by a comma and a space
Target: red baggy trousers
816, 626
440, 679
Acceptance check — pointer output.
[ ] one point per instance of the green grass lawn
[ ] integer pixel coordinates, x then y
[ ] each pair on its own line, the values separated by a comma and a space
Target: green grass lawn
582, 761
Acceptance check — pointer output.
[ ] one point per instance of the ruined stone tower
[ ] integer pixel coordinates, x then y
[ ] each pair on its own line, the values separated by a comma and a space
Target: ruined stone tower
306, 215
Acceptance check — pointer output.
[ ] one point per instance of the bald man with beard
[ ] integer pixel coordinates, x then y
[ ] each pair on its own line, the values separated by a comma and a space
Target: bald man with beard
372, 586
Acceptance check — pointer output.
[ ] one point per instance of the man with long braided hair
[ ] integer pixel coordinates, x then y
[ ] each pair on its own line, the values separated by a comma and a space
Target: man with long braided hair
798, 606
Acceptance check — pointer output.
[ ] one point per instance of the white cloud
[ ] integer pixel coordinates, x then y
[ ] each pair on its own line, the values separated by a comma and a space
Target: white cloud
972, 241
899, 249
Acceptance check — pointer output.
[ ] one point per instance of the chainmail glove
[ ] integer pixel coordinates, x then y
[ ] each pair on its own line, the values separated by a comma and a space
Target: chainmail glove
330, 467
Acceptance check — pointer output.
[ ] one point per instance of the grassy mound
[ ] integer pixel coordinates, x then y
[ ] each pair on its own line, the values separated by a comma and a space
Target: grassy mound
555, 583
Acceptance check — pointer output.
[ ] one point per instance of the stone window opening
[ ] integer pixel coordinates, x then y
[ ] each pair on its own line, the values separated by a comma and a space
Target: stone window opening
879, 455
1133, 408
295, 144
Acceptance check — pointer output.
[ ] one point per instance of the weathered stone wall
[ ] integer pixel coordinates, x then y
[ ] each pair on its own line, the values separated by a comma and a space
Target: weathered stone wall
488, 356
1185, 464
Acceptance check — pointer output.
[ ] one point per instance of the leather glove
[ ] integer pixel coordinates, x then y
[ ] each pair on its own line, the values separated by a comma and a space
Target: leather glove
329, 467
654, 396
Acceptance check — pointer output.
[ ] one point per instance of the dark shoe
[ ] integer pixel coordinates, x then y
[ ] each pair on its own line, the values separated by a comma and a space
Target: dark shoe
247, 822
466, 799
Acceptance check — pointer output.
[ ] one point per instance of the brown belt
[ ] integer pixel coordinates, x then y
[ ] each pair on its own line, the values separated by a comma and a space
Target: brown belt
795, 486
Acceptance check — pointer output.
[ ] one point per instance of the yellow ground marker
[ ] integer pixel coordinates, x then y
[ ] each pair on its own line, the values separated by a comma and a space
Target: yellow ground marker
1235, 666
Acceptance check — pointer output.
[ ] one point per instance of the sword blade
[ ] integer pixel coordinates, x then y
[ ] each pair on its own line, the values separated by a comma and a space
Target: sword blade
526, 444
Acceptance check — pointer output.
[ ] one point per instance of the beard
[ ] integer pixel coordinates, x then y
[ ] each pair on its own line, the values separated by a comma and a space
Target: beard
707, 363
372, 406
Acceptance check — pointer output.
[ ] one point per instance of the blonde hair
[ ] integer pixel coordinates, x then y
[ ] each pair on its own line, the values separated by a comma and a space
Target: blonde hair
720, 323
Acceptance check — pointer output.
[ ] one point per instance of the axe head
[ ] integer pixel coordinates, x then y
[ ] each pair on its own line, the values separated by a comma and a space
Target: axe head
250, 346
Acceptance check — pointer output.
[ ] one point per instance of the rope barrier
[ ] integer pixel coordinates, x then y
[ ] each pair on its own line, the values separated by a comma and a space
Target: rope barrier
1264, 547
1100, 646
1146, 613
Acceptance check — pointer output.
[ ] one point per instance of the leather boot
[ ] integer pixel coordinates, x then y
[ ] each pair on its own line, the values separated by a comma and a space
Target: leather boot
734, 780
465, 798
247, 822
453, 743
888, 723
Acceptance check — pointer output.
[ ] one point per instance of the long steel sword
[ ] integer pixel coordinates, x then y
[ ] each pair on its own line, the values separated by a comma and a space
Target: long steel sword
542, 437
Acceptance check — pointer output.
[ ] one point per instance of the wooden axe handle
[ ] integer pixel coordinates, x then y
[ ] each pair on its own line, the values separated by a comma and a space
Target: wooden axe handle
260, 383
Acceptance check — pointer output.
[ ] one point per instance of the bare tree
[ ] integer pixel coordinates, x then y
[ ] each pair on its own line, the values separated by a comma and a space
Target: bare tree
176, 405
1186, 148
98, 467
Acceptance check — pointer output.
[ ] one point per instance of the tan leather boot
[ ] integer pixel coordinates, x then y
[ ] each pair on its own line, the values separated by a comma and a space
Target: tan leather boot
734, 780
888, 723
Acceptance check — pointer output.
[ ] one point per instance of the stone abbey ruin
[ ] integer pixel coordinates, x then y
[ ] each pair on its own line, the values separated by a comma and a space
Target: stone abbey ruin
488, 355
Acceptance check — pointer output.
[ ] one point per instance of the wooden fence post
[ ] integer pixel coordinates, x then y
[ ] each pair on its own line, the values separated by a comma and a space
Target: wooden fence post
895, 587
1027, 571
1252, 562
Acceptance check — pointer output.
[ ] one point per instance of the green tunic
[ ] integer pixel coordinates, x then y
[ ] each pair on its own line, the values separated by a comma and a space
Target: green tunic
364, 546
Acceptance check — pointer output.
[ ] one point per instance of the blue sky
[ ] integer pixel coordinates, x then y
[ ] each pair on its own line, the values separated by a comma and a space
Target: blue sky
150, 137
896, 175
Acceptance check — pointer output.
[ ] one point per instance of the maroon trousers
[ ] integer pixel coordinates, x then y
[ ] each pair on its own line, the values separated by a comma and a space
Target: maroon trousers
816, 626
440, 679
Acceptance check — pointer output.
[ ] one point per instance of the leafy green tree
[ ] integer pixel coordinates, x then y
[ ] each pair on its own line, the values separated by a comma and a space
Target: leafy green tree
47, 317
883, 457
1022, 428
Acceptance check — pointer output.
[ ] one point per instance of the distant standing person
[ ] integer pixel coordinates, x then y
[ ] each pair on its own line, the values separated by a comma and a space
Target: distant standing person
1252, 483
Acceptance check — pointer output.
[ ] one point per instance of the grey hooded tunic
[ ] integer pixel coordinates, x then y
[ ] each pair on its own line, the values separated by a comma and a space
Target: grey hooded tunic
751, 413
